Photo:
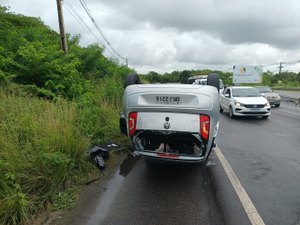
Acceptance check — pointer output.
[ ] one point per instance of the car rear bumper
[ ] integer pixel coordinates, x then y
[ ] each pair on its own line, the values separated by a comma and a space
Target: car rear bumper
169, 157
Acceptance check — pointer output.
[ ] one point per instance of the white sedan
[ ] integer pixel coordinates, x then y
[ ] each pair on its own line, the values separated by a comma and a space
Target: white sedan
244, 101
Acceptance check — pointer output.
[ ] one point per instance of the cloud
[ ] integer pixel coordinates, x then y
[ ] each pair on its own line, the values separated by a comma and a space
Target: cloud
146, 47
46, 10
234, 21
198, 47
192, 34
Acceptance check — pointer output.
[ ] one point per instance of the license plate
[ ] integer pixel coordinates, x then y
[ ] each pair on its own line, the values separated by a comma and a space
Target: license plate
168, 99
255, 109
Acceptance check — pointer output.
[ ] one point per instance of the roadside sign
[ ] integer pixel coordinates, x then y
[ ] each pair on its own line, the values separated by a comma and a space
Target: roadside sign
247, 74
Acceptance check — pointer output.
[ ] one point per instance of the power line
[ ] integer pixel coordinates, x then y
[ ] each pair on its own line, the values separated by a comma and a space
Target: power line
73, 12
84, 5
76, 15
293, 62
272, 64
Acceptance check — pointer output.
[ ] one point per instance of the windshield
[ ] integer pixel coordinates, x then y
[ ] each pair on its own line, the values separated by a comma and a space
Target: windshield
191, 80
201, 81
245, 92
264, 89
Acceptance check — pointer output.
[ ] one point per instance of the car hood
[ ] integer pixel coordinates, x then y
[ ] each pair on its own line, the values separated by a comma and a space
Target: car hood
251, 100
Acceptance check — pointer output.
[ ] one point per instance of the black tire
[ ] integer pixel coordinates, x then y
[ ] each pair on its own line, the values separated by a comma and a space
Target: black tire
213, 80
231, 112
277, 105
264, 117
221, 109
132, 78
123, 126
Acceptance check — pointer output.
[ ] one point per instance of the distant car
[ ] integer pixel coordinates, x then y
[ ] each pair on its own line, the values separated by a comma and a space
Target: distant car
244, 101
273, 97
202, 80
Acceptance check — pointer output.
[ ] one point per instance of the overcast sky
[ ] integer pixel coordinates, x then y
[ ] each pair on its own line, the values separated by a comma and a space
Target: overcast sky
168, 35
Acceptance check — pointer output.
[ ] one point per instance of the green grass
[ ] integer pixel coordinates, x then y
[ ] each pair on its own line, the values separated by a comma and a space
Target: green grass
65, 199
43, 147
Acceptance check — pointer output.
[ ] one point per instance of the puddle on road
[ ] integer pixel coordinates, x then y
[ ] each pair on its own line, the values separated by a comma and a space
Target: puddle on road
111, 189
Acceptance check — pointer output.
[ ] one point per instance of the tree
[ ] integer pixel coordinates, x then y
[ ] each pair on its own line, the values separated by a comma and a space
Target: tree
183, 77
153, 77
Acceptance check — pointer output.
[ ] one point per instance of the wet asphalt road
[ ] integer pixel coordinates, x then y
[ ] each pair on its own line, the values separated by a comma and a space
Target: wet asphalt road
264, 154
161, 194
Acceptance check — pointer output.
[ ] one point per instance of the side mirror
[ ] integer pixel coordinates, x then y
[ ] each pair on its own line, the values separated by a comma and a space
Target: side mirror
227, 95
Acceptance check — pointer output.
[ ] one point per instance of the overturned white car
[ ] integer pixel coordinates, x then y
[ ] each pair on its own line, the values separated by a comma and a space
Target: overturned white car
173, 122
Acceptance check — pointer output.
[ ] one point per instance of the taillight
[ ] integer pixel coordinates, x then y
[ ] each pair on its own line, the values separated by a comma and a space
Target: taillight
204, 126
132, 123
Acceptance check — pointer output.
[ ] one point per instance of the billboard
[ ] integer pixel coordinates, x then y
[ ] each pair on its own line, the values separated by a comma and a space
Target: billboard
247, 74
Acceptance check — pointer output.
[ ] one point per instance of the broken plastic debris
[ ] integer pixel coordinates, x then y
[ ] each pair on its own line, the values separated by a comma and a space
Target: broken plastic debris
110, 145
99, 151
99, 162
99, 154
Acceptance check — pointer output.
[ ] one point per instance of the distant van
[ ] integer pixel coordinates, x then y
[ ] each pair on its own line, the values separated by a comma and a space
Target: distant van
202, 80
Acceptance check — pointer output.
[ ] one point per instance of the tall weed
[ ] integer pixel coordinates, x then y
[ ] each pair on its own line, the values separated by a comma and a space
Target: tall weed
41, 150
99, 113
43, 145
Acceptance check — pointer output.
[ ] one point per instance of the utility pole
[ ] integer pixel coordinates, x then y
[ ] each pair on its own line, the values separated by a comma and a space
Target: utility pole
280, 67
63, 37
126, 62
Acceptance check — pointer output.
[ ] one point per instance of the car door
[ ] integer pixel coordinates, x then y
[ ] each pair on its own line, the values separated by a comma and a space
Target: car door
226, 98
221, 98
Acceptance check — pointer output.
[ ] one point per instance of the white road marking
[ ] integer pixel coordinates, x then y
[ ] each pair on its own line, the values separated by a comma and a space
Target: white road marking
248, 205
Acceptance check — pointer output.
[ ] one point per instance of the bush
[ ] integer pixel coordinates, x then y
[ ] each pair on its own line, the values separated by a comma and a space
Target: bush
53, 107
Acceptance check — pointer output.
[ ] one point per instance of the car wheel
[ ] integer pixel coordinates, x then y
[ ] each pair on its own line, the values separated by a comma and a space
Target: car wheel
213, 80
264, 117
231, 115
221, 109
277, 105
132, 78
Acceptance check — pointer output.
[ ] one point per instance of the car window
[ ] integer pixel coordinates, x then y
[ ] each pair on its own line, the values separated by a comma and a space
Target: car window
227, 91
264, 89
245, 92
